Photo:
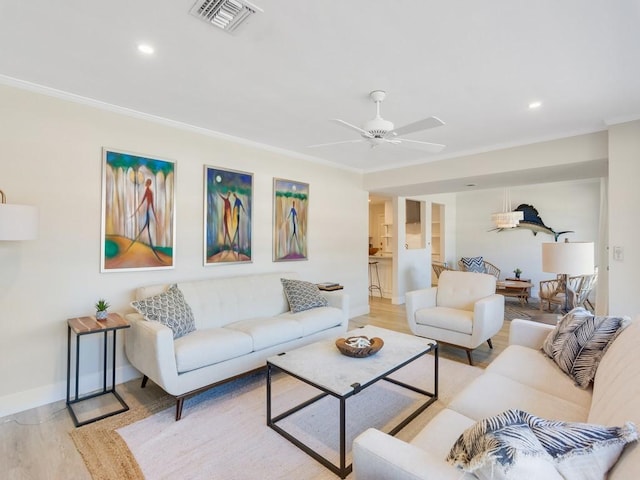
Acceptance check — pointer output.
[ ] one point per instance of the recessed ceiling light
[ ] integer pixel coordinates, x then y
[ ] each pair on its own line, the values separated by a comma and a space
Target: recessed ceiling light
534, 105
145, 48
471, 185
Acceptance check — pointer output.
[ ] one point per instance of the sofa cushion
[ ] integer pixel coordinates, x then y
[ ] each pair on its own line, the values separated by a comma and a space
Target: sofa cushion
446, 318
218, 301
168, 308
473, 264
442, 431
491, 394
267, 332
533, 368
316, 319
212, 345
579, 341
302, 295
516, 444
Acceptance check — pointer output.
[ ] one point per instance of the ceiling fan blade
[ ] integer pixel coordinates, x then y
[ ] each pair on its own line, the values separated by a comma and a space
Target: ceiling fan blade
424, 124
334, 143
425, 146
352, 127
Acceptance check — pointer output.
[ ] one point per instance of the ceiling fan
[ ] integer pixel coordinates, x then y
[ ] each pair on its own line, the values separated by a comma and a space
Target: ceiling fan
379, 131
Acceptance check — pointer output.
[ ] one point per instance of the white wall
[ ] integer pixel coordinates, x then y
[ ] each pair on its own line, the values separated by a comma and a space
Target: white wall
50, 156
562, 206
624, 229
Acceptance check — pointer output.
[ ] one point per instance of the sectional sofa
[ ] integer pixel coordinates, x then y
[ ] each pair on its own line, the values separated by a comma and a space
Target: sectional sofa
520, 377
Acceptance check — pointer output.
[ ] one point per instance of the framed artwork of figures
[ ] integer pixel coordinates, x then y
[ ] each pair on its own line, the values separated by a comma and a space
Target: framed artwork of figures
138, 212
227, 216
290, 220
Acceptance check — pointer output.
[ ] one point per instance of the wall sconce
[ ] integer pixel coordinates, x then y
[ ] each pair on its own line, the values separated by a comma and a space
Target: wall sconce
17, 222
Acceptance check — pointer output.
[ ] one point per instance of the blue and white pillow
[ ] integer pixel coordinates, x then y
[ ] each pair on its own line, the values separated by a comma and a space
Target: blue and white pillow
580, 340
169, 308
302, 295
473, 264
518, 445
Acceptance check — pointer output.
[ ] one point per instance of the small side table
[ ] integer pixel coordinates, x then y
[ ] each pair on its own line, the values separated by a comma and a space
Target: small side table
81, 326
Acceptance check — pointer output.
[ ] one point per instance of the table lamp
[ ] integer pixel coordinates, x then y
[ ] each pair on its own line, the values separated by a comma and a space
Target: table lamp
567, 258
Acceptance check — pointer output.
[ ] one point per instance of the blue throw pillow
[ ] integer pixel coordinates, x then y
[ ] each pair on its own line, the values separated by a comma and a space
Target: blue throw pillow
473, 264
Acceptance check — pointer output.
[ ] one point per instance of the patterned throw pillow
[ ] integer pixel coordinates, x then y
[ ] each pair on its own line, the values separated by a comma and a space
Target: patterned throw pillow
517, 445
302, 295
579, 341
473, 264
170, 309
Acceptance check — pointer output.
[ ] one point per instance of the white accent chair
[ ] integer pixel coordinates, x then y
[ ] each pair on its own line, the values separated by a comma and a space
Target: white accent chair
463, 310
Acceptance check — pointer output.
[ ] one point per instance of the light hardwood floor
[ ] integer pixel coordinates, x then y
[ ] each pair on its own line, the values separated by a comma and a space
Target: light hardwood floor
35, 444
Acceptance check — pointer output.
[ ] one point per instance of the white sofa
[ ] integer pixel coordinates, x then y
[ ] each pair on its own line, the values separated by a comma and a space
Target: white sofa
521, 377
463, 310
240, 321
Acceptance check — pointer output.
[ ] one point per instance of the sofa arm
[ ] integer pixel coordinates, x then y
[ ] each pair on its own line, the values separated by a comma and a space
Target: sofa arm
488, 318
338, 300
149, 348
378, 456
416, 300
528, 333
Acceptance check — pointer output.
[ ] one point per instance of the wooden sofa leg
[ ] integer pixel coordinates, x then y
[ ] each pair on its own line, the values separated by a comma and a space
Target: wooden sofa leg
469, 357
179, 403
490, 344
144, 381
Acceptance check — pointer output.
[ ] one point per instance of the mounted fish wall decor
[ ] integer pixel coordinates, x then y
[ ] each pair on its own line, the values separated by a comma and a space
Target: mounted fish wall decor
533, 222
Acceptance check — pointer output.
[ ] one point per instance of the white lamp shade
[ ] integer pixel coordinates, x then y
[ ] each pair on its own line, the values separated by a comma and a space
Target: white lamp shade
18, 222
570, 258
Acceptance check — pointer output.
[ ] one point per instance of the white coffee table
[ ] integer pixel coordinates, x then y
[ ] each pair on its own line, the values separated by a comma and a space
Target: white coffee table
322, 366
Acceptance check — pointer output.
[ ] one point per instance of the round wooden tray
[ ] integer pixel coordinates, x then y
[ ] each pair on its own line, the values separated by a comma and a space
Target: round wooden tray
348, 350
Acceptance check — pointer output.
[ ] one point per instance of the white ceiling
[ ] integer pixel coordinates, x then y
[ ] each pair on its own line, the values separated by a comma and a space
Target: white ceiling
285, 74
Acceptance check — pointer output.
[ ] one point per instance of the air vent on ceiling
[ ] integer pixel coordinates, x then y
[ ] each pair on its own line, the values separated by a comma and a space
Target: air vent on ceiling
225, 14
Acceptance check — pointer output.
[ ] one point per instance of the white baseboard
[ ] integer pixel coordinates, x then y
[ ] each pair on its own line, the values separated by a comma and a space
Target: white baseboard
25, 400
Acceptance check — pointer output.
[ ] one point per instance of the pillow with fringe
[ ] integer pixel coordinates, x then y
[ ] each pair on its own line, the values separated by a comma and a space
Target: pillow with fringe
518, 445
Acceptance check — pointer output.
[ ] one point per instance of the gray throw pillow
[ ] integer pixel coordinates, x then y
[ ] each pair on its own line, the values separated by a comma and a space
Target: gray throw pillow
170, 309
517, 445
580, 340
302, 295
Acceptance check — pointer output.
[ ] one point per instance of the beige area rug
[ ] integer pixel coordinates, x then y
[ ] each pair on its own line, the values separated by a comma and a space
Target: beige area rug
223, 433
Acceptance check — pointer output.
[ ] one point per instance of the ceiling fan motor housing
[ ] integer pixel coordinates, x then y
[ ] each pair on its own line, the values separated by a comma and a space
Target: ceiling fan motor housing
378, 127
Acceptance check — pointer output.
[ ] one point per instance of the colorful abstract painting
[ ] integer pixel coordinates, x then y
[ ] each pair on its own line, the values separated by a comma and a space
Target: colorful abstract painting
138, 212
290, 220
228, 213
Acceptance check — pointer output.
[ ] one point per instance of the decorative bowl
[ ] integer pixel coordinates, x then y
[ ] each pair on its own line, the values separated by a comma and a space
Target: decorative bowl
359, 347
373, 250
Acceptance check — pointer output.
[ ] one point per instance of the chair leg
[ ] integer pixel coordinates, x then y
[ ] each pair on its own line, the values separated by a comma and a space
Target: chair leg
144, 381
490, 344
469, 357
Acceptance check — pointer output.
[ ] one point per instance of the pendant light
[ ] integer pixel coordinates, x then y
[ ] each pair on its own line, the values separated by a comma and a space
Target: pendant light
507, 218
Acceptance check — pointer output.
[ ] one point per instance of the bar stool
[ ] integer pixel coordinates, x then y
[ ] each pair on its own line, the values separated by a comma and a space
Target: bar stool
374, 282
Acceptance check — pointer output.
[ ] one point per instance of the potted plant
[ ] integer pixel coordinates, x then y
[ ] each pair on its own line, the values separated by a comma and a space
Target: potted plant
517, 273
101, 309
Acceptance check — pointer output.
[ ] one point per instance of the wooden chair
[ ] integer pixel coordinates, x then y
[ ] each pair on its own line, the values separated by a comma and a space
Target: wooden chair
580, 286
489, 268
438, 268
